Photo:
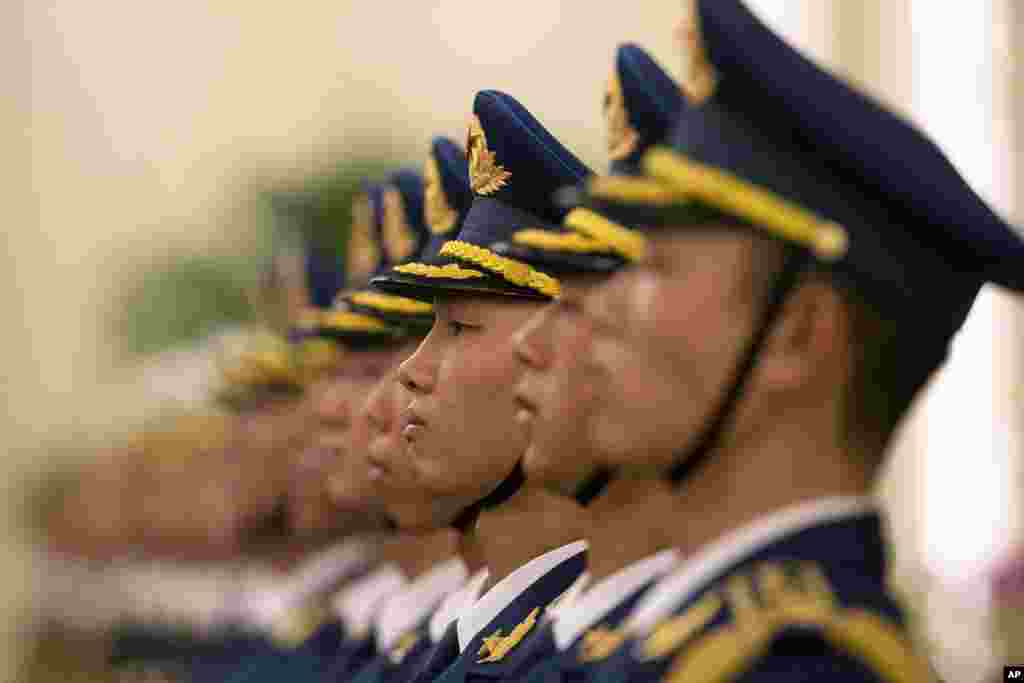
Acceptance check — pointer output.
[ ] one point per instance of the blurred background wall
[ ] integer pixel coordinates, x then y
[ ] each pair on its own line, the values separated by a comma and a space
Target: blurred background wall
142, 131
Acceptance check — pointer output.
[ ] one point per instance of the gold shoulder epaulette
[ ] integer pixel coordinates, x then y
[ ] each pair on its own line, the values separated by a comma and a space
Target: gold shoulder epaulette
770, 600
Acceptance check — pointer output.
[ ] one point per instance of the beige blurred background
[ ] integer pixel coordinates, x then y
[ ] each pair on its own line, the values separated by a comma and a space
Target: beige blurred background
141, 128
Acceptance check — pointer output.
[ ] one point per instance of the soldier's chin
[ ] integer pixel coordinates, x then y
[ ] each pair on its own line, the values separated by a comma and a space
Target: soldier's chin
542, 471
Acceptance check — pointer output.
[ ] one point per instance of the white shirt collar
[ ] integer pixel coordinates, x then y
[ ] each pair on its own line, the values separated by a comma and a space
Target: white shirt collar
576, 616
357, 604
453, 605
270, 595
508, 589
719, 555
401, 612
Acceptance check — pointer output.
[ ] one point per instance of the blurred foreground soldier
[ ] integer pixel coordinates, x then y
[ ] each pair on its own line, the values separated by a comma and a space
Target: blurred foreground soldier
462, 439
630, 546
809, 258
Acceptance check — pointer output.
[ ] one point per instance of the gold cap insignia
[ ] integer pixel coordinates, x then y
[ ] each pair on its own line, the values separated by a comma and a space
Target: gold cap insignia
699, 77
486, 176
363, 253
598, 644
496, 646
622, 138
399, 238
438, 214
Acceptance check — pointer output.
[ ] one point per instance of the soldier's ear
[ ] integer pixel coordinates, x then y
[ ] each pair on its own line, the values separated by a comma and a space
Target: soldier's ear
807, 344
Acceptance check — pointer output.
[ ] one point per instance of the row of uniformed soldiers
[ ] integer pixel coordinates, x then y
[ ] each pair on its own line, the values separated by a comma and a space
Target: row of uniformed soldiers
562, 426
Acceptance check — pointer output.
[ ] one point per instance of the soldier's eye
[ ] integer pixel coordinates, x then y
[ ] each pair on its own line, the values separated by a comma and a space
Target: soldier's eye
455, 328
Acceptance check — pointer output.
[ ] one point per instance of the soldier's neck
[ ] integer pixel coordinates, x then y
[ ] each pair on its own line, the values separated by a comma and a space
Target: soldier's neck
526, 526
629, 523
747, 479
416, 553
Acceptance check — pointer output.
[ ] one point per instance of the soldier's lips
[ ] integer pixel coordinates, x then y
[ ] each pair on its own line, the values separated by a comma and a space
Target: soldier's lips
413, 425
526, 408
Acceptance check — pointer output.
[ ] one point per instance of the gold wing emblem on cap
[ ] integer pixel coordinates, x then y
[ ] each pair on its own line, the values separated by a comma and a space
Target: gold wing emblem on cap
770, 600
438, 214
496, 646
486, 176
621, 137
399, 238
362, 254
699, 78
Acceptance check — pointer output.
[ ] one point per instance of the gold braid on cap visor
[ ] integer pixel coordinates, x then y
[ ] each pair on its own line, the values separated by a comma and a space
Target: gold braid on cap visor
450, 271
390, 303
672, 179
347, 321
547, 240
516, 272
629, 244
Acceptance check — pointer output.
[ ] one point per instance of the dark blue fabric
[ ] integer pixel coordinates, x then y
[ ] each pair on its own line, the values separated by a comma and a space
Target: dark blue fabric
441, 656
652, 100
921, 241
540, 594
410, 185
565, 666
850, 552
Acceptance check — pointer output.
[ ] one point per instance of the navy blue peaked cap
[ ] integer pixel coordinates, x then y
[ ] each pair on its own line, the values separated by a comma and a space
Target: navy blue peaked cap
403, 230
641, 106
515, 168
767, 137
447, 194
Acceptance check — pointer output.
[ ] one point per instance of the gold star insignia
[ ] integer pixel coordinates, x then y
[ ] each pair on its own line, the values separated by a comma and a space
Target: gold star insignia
496, 646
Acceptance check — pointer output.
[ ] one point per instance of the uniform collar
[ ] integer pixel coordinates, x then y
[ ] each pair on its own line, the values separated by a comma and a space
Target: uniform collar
717, 556
575, 617
274, 594
453, 605
357, 604
406, 609
488, 607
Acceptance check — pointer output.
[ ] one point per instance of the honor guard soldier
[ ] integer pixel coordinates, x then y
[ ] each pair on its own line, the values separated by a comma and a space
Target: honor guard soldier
809, 257
630, 546
345, 350
462, 439
376, 469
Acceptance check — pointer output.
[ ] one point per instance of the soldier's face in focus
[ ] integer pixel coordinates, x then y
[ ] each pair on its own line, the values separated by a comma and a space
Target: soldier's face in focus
667, 335
460, 429
557, 389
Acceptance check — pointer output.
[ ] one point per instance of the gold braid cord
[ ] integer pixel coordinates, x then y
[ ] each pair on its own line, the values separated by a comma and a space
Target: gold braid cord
805, 600
347, 321
390, 303
450, 271
546, 240
627, 243
516, 272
